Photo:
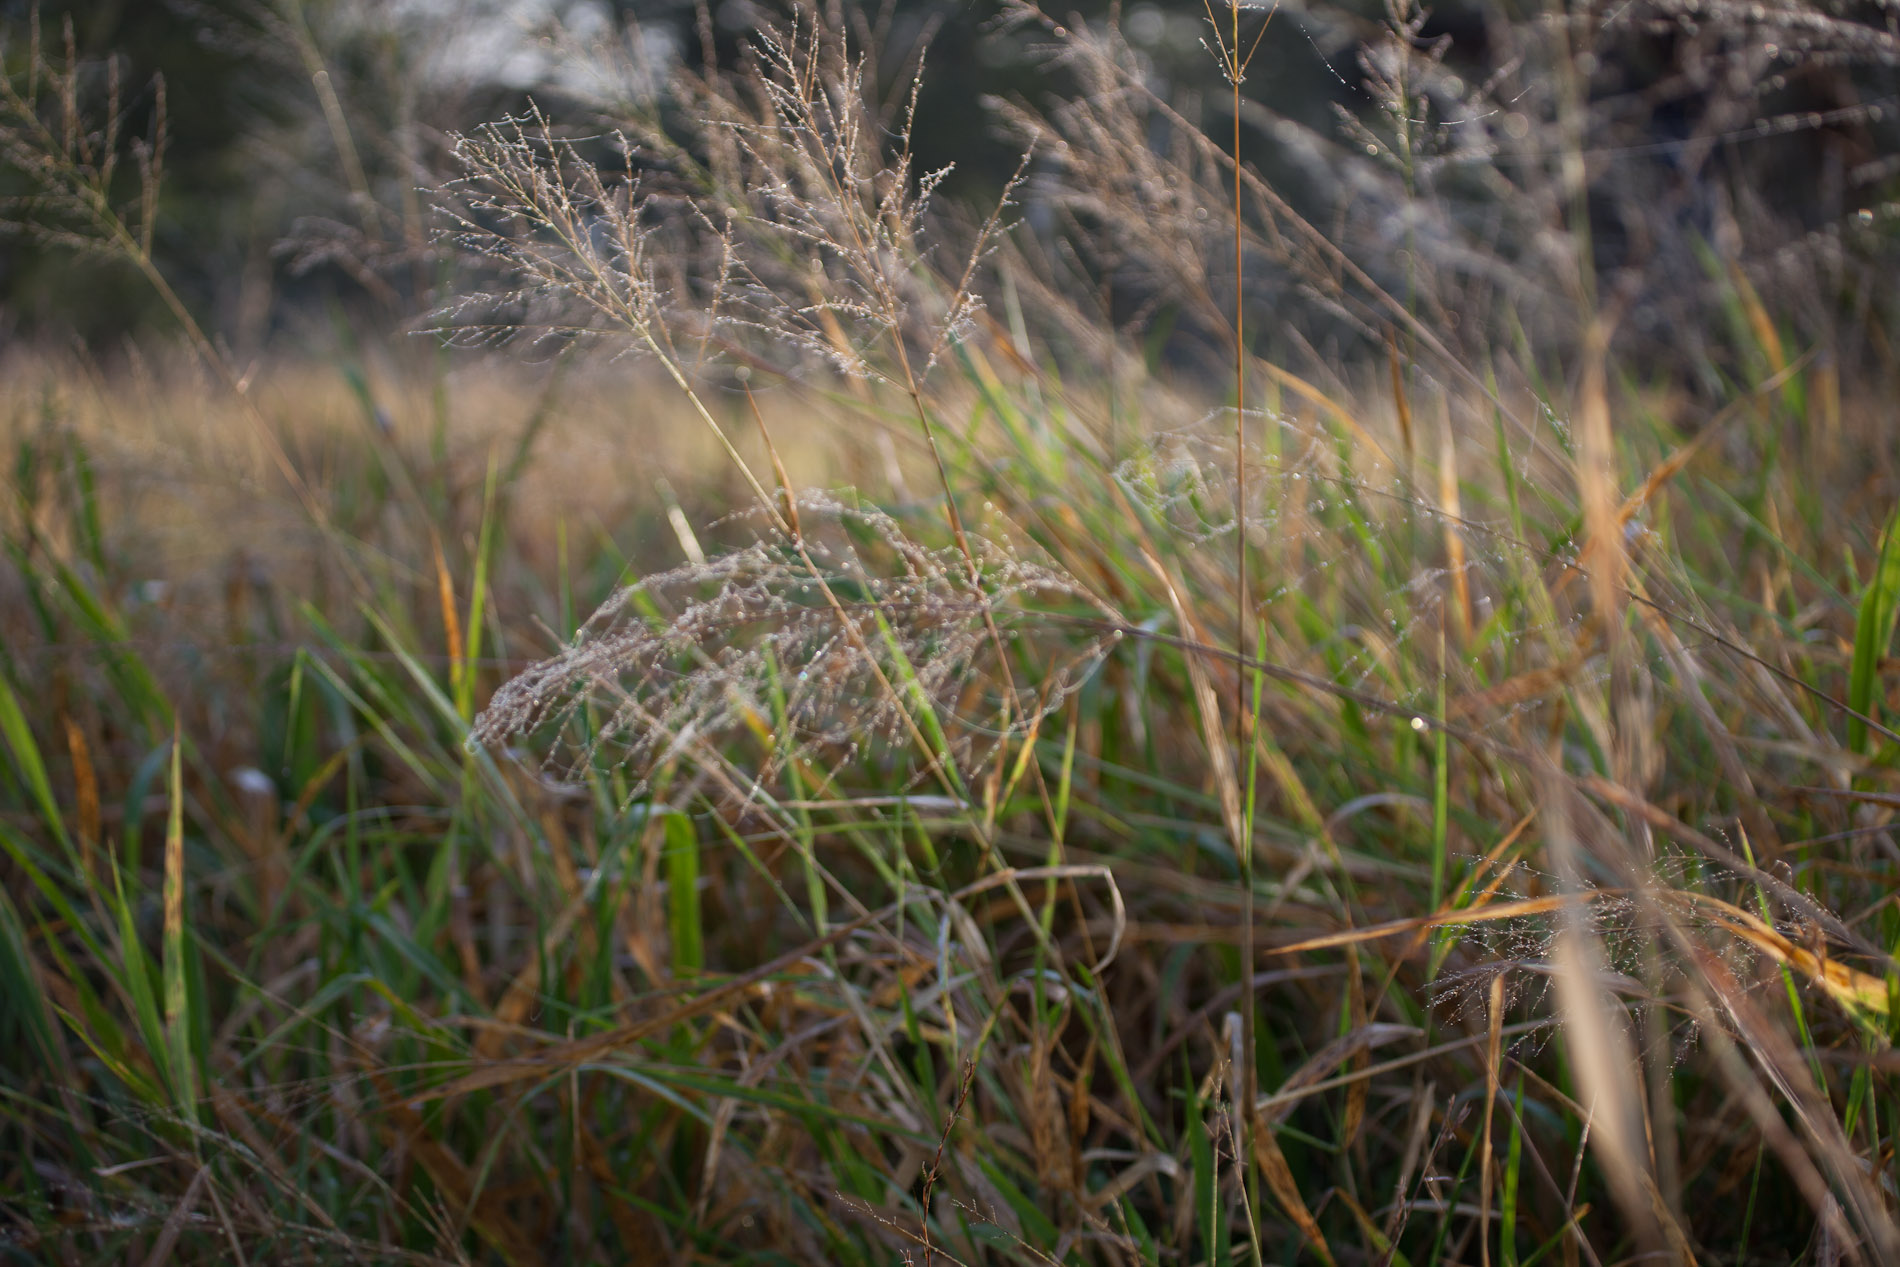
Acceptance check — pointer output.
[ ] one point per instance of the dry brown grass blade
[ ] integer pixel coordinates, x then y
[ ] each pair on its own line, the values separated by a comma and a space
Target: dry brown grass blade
86, 796
1667, 469
313, 788
786, 491
1453, 518
1828, 388
462, 934
1490, 859
1760, 324
1595, 1027
1446, 919
1834, 704
1207, 706
1319, 399
1604, 556
1493, 1053
1280, 768
1286, 1189
1400, 401
451, 1176
520, 995
1048, 1133
1004, 341
1079, 1116
709, 1161
1355, 1113
1679, 1247
1424, 1096
1887, 800
1861, 993
230, 1227
451, 622
235, 1117
1661, 819
1144, 1166
175, 1221
1661, 474
1375, 1235
1275, 1105
565, 1057
1605, 1063
184, 1072
1767, 1050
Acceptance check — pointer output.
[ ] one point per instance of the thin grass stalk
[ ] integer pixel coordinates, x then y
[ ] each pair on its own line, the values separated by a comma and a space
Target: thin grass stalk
1247, 1120
1243, 716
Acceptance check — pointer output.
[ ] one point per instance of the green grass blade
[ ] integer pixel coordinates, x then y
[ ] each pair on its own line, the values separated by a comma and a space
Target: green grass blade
1873, 633
682, 892
25, 1012
32, 769
478, 599
1507, 1205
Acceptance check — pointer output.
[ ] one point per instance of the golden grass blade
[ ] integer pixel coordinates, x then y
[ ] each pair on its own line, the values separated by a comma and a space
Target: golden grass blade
1493, 1054
1314, 396
1286, 1190
178, 1019
1401, 401
86, 792
451, 621
1207, 709
1445, 919
1596, 1033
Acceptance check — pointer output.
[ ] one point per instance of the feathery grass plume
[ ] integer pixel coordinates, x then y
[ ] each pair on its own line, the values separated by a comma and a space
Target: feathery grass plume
575, 248
810, 225
845, 208
753, 639
90, 186
822, 179
64, 131
797, 228
573, 241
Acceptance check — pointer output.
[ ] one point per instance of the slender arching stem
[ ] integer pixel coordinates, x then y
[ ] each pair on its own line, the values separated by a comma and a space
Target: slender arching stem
1243, 748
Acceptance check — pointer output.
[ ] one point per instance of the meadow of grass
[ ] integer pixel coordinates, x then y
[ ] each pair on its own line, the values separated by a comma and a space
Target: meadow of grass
904, 861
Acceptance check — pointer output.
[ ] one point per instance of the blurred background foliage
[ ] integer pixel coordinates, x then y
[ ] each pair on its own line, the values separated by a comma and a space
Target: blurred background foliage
301, 132
1705, 137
